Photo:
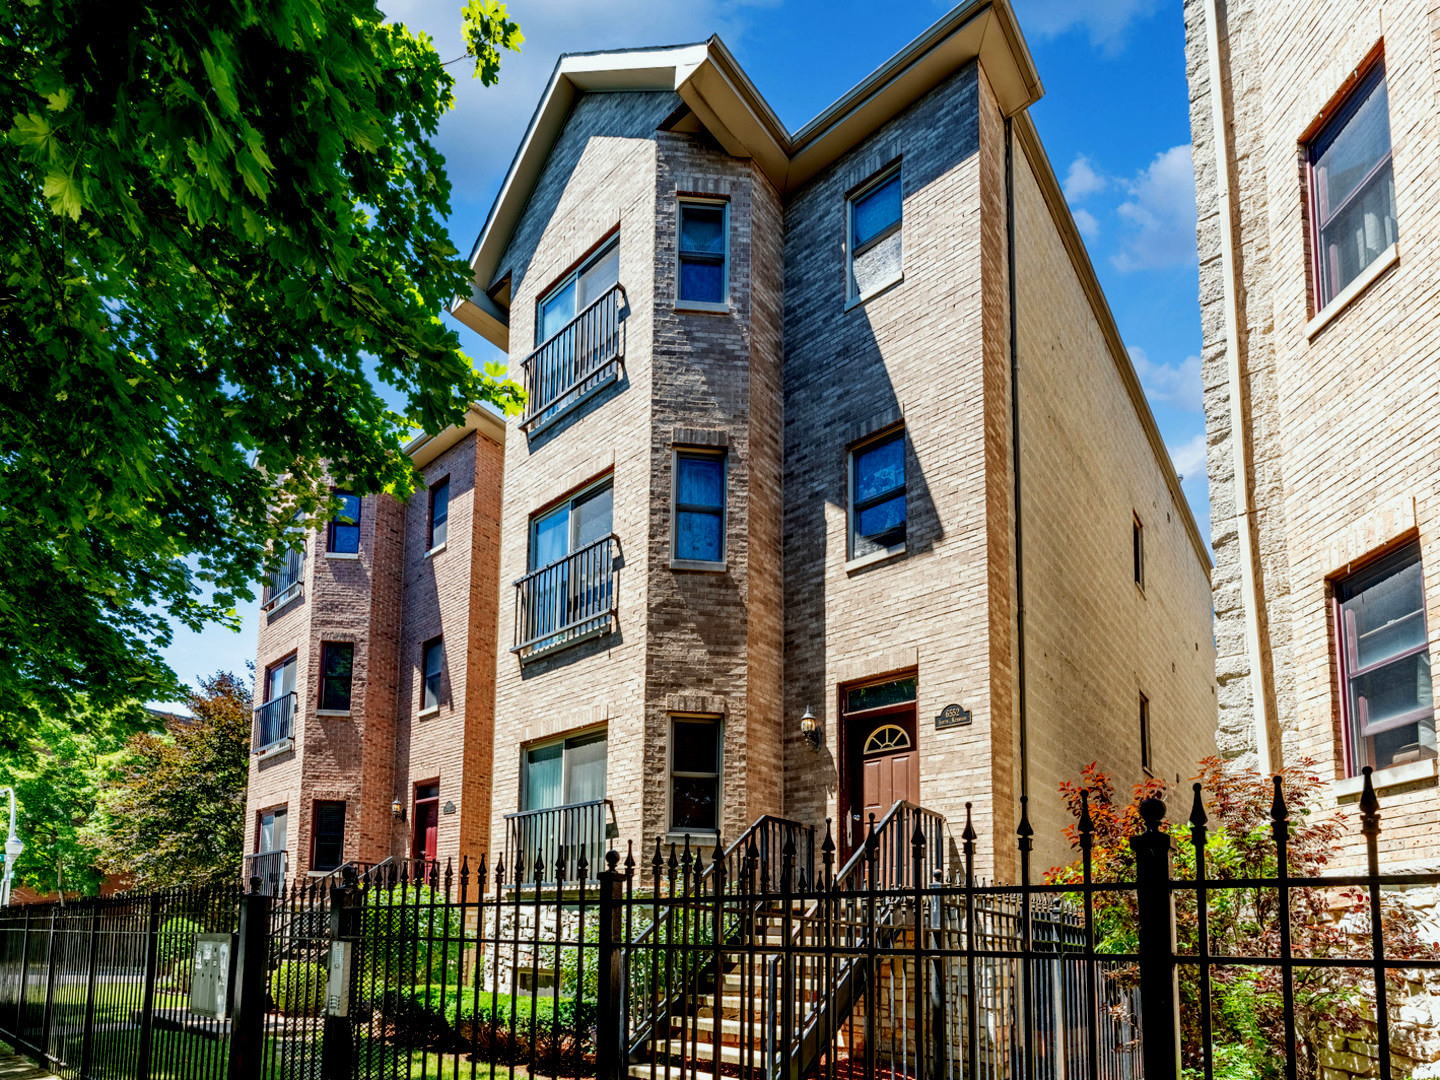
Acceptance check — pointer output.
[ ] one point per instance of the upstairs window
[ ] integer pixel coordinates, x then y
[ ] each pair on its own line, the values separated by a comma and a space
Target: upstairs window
439, 513
344, 529
1352, 188
1138, 543
564, 772
270, 836
337, 663
695, 774
329, 839
703, 278
1385, 662
432, 660
595, 277
877, 495
1147, 748
576, 523
874, 214
699, 506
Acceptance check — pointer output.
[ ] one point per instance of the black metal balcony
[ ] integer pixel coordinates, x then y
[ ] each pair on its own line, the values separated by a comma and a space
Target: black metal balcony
584, 353
575, 598
286, 583
556, 839
274, 722
270, 867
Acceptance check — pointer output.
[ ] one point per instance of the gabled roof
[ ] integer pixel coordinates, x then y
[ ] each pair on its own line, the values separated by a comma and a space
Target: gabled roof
723, 99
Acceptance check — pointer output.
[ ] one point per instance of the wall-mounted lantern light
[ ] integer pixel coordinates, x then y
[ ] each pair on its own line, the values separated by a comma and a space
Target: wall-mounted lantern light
810, 728
397, 810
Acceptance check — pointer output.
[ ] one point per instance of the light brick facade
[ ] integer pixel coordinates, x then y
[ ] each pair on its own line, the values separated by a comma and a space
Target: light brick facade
787, 378
1336, 414
391, 598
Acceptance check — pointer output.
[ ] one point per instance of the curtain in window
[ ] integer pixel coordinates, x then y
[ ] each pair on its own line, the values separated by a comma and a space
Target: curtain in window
586, 768
543, 777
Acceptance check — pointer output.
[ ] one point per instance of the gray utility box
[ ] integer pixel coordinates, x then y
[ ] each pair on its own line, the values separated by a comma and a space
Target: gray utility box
214, 975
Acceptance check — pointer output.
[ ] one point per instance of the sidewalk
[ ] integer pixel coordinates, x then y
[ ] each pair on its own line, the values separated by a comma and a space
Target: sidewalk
15, 1067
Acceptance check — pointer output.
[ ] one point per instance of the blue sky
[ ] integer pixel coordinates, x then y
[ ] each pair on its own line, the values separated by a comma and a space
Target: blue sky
1114, 120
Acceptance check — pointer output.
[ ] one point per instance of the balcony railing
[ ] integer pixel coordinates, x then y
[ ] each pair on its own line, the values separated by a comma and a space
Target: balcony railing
270, 867
578, 358
274, 722
286, 583
566, 601
558, 838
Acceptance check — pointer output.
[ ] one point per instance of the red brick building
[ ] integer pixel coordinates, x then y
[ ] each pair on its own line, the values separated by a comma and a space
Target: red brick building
375, 673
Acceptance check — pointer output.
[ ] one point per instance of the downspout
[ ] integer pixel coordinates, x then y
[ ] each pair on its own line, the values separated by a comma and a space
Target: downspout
1253, 594
1021, 713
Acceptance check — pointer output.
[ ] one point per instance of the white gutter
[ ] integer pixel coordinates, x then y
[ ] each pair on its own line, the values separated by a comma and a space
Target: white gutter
1252, 594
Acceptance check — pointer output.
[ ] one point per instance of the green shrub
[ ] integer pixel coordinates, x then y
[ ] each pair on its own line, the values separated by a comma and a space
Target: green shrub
297, 987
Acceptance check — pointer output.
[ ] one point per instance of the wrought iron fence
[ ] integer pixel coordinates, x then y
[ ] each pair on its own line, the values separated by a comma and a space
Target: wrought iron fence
101, 988
579, 357
569, 600
274, 721
270, 867
580, 831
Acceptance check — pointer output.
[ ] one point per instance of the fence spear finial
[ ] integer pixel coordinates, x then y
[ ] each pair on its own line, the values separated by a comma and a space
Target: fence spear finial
1369, 806
827, 846
969, 835
629, 858
1087, 823
1279, 812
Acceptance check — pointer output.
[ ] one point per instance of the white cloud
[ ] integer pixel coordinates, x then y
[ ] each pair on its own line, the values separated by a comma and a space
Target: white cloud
1159, 215
1107, 22
1086, 223
480, 135
1082, 181
1189, 458
1172, 384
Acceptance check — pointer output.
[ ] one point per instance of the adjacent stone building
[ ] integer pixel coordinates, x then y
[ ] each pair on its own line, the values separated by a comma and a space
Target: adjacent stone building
1315, 130
375, 673
835, 485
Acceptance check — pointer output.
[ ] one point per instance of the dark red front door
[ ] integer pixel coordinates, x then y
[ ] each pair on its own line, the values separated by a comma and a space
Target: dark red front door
427, 821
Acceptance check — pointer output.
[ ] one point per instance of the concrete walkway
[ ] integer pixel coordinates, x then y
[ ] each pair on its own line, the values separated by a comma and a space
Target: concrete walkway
15, 1067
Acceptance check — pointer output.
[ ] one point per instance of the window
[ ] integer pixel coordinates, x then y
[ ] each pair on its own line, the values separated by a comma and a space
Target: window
344, 531
1146, 747
432, 659
270, 836
280, 679
574, 524
275, 718
284, 583
581, 288
427, 821
1352, 188
329, 840
1385, 662
703, 278
877, 495
699, 521
439, 512
337, 661
695, 774
1138, 539
564, 772
874, 214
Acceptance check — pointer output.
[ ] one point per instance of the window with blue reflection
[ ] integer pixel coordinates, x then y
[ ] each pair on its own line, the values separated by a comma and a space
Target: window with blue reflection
700, 506
877, 499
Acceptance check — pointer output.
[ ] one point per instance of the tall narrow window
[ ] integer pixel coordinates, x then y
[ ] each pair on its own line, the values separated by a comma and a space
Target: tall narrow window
874, 214
275, 717
337, 662
1352, 188
877, 495
344, 531
329, 835
439, 512
270, 836
427, 821
699, 506
432, 660
695, 774
1385, 662
1138, 543
703, 278
1146, 746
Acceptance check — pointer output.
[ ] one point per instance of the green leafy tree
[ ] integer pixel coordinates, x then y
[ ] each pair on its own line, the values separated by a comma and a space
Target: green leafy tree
1248, 1003
173, 810
212, 217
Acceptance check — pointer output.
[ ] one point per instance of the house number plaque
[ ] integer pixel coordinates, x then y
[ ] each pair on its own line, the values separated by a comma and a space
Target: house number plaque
952, 716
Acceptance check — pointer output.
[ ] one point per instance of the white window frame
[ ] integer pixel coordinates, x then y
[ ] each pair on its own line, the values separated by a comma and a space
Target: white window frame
853, 561
676, 834
610, 242
682, 201
853, 296
564, 741
721, 452
438, 641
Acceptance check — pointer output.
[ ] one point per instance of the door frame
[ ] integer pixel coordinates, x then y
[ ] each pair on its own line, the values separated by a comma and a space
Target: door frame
849, 762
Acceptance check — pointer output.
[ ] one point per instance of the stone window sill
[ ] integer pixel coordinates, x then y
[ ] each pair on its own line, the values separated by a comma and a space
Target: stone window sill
436, 549
874, 558
332, 712
698, 564
425, 714
342, 554
1347, 295
1412, 772
885, 286
701, 307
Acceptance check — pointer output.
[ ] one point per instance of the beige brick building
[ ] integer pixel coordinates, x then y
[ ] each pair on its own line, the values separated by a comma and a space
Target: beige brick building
1315, 168
375, 673
768, 480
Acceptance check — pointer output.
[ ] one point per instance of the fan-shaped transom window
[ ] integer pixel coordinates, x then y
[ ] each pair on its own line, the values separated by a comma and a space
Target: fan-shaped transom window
885, 738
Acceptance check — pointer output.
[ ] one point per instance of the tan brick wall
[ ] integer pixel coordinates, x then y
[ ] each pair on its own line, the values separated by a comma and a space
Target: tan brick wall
1341, 423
